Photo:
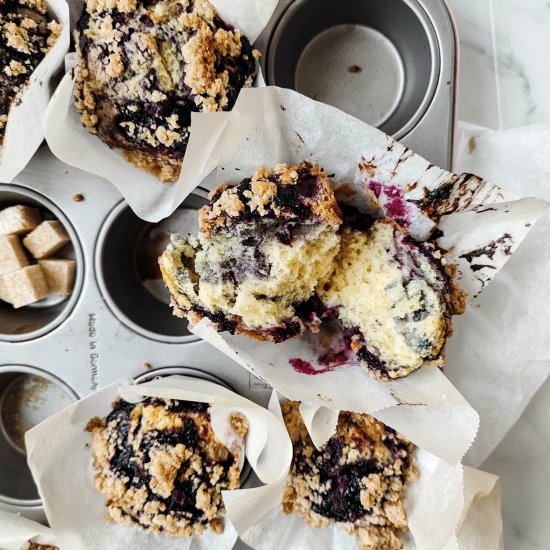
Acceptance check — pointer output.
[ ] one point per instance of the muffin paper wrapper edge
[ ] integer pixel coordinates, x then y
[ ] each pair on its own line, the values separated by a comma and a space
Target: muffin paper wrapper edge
16, 532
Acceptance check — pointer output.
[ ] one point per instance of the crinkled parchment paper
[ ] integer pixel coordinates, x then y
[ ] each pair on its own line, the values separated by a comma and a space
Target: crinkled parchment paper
60, 460
448, 508
73, 144
502, 340
24, 132
16, 532
481, 225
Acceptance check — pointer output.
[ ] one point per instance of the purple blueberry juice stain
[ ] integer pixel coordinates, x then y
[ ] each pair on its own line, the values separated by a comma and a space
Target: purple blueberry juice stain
328, 360
305, 367
395, 204
337, 357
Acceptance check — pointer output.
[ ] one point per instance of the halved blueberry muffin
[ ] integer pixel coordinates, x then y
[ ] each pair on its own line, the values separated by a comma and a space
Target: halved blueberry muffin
393, 294
144, 67
162, 468
26, 35
262, 249
356, 480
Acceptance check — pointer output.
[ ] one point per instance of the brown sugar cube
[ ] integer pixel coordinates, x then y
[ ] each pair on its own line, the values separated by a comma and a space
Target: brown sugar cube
59, 275
4, 294
12, 255
24, 286
46, 239
17, 220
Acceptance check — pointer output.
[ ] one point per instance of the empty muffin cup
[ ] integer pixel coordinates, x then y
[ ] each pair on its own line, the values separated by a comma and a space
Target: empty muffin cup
27, 397
378, 61
38, 318
126, 261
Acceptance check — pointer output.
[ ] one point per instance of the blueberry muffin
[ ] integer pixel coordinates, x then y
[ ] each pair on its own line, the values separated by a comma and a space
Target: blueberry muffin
393, 294
357, 480
262, 248
161, 467
27, 33
144, 67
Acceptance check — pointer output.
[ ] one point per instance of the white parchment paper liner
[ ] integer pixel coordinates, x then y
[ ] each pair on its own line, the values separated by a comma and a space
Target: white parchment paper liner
61, 464
24, 132
448, 508
73, 144
502, 340
482, 226
16, 532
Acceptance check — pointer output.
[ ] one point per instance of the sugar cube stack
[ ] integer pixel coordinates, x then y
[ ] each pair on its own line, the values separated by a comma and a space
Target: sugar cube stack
21, 283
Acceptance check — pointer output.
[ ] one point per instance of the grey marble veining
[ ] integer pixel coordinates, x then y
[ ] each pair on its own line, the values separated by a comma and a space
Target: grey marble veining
504, 77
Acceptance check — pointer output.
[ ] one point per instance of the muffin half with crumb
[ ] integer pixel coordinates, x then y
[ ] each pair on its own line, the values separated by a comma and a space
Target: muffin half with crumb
263, 247
162, 468
394, 295
144, 67
356, 480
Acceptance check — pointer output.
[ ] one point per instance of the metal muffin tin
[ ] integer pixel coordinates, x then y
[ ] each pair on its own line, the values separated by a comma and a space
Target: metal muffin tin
110, 327
391, 63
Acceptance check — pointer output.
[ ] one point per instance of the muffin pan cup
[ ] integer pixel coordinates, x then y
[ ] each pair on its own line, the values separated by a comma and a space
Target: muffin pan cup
27, 396
35, 320
90, 343
391, 64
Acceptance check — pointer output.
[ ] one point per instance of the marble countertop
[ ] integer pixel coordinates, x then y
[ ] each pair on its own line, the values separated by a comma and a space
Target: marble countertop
504, 83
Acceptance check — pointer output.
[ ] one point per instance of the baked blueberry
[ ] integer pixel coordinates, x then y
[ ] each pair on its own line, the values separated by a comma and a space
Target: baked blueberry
144, 67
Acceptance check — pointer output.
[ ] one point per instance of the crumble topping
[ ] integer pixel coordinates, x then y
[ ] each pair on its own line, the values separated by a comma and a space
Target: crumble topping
26, 35
143, 68
263, 247
161, 467
35, 546
356, 480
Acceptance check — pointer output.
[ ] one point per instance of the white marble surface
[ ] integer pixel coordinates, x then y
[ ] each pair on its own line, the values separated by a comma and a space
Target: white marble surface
505, 83
504, 78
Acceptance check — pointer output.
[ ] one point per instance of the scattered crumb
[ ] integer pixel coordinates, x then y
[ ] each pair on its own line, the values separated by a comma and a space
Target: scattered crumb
472, 144
354, 69
147, 366
78, 197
